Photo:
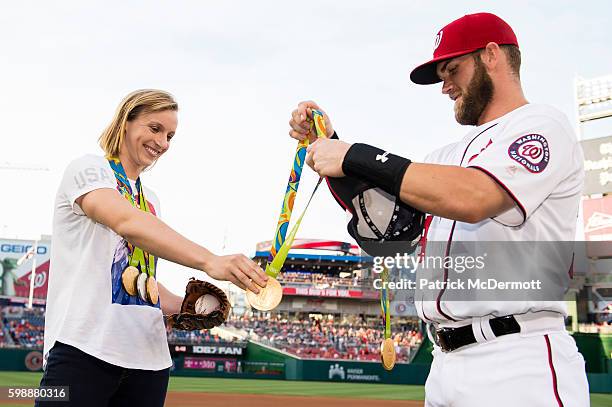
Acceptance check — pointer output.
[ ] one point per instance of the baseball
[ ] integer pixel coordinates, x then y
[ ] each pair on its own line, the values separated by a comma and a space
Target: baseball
206, 304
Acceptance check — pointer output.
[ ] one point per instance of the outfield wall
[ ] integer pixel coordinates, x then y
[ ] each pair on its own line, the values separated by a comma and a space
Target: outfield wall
21, 359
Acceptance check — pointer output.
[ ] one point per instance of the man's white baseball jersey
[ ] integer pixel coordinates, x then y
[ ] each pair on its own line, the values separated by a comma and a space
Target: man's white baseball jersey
533, 154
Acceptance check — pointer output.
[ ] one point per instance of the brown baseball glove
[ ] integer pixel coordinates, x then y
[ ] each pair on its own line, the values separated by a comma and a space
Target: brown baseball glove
189, 319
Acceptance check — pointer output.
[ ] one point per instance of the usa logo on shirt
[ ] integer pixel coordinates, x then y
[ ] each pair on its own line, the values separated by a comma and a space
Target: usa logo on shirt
531, 151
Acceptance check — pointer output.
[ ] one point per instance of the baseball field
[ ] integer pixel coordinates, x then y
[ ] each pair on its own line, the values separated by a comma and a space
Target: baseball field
189, 392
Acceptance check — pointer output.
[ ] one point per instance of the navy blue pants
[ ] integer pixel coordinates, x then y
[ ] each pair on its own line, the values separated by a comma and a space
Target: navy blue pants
95, 383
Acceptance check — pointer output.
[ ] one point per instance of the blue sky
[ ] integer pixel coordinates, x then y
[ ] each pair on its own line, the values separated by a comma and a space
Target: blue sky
238, 68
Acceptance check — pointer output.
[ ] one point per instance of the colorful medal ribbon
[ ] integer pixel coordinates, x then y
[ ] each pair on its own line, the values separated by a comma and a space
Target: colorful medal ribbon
137, 257
384, 303
387, 347
281, 243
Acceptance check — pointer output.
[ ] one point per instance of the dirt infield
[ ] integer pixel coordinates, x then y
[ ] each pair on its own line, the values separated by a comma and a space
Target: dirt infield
192, 399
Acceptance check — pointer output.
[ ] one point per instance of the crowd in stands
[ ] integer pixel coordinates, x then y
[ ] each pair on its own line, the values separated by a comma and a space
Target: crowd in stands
355, 279
177, 337
22, 327
350, 338
319, 280
347, 338
599, 327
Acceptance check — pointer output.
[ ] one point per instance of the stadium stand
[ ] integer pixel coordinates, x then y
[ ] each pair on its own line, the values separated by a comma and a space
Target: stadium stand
320, 279
349, 338
5, 337
598, 328
176, 337
22, 327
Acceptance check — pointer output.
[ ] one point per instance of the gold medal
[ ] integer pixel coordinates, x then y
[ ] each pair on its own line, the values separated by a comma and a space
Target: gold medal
268, 298
152, 290
128, 280
387, 353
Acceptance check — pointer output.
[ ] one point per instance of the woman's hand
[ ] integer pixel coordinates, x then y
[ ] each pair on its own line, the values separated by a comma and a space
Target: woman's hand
238, 269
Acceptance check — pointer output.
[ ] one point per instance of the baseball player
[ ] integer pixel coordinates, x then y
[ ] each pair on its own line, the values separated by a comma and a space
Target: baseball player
104, 328
516, 176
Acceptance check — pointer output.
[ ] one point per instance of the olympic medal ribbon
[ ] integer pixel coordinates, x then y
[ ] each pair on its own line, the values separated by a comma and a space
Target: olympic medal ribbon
271, 295
387, 347
289, 198
137, 257
384, 302
273, 268
280, 236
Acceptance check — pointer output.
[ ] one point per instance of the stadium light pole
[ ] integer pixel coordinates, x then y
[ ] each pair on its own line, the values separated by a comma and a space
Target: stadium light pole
30, 254
33, 275
593, 99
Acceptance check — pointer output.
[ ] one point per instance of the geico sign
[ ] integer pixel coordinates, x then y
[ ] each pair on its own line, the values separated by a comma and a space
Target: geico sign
20, 248
217, 350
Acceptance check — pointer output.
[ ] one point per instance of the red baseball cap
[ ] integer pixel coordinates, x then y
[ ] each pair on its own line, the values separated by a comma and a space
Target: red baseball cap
464, 35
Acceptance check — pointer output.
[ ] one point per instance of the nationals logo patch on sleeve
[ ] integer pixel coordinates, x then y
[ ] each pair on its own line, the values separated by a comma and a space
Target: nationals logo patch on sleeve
531, 151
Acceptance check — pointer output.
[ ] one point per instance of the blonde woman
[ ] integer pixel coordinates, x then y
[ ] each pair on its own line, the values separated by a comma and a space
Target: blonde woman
104, 328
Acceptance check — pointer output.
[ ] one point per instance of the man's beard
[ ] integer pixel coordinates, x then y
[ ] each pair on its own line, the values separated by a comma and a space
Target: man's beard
477, 96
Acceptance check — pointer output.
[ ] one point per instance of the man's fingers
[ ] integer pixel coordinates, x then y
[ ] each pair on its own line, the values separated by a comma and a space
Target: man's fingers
295, 116
301, 112
310, 160
298, 136
305, 108
302, 128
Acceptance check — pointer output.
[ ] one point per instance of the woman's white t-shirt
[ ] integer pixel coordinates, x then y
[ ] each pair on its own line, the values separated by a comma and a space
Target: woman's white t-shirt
87, 306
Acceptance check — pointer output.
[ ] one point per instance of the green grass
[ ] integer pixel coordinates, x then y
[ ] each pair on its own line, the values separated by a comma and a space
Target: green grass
26, 379
279, 387
296, 388
246, 386
601, 400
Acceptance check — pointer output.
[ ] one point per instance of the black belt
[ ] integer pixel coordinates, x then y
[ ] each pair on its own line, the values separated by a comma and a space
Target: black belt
450, 339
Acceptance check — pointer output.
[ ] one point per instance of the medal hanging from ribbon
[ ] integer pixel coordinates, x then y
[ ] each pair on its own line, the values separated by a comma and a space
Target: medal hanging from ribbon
270, 296
138, 278
387, 347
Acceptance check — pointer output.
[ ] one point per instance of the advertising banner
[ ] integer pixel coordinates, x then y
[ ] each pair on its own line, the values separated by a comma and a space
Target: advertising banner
329, 292
209, 349
597, 165
211, 364
597, 213
16, 257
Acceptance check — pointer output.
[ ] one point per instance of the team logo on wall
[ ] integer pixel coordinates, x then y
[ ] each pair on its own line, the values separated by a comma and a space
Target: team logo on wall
336, 372
34, 361
531, 151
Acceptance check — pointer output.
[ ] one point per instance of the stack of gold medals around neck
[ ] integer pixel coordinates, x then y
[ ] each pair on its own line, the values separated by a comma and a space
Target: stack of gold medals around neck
138, 278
